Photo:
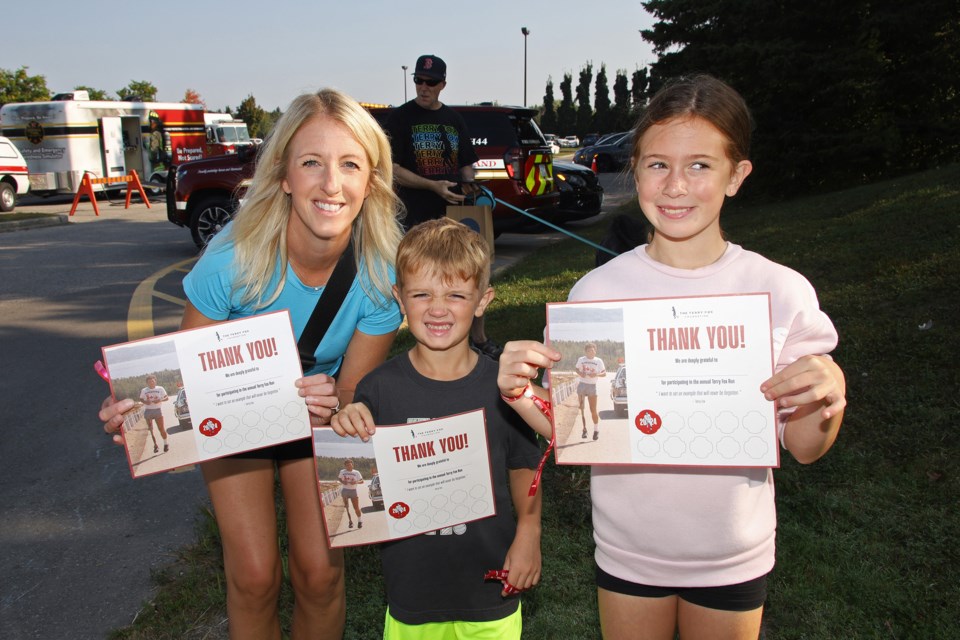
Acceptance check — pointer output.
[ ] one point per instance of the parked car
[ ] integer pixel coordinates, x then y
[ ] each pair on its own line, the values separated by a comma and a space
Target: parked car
182, 410
376, 492
570, 141
553, 141
581, 156
581, 195
610, 156
14, 175
618, 391
590, 139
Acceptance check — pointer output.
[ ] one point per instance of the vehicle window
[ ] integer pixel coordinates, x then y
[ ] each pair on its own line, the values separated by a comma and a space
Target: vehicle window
489, 129
6, 150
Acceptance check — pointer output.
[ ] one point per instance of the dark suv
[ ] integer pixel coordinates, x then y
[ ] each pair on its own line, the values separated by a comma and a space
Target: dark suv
515, 163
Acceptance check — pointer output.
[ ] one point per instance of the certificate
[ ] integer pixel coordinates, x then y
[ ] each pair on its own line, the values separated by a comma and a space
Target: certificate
405, 480
239, 376
673, 381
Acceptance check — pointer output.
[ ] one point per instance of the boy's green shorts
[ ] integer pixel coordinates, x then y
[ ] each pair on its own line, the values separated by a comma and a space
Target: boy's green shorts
503, 629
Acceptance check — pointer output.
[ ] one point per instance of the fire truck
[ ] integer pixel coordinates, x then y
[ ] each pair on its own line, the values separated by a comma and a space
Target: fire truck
224, 134
63, 139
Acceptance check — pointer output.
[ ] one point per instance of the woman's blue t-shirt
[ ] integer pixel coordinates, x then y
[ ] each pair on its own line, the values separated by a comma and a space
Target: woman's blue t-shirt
209, 287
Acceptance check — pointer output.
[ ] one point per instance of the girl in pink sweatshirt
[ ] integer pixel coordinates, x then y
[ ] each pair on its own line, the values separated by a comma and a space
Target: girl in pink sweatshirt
689, 549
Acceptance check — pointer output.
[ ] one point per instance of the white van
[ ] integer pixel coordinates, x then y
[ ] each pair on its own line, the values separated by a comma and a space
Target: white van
14, 177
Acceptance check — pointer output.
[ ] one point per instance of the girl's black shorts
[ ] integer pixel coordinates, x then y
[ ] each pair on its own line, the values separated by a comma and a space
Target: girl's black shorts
745, 596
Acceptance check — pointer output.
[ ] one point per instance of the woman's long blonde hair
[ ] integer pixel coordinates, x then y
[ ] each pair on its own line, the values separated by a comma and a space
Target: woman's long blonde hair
259, 230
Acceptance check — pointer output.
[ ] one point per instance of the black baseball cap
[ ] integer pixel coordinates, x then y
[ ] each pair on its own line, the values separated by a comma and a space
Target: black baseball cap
430, 66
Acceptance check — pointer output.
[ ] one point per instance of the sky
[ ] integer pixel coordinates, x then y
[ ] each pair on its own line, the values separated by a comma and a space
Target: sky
278, 49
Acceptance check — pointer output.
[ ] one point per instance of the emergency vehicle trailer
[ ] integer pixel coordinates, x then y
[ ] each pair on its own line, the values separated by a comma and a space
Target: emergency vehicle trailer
61, 140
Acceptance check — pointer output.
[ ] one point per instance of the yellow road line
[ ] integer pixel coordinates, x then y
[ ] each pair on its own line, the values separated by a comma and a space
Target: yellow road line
140, 312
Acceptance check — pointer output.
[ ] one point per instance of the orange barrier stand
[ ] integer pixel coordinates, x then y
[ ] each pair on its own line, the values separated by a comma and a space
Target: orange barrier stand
86, 188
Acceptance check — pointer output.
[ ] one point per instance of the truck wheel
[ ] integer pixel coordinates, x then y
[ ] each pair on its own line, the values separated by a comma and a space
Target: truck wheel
8, 197
160, 180
210, 215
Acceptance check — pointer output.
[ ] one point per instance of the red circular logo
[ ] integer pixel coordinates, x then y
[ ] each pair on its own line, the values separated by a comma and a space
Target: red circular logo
648, 422
210, 427
399, 510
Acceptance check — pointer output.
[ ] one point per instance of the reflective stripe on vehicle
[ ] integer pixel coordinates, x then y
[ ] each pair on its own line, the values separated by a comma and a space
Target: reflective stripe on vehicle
538, 174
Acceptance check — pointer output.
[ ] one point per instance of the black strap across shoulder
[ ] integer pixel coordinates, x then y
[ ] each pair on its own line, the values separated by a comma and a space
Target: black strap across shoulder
334, 293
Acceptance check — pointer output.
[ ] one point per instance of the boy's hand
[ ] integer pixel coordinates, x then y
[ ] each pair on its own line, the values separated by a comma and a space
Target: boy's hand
523, 561
811, 379
354, 420
320, 393
520, 362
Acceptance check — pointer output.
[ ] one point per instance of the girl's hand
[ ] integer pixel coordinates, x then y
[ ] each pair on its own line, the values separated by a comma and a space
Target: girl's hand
111, 414
809, 380
520, 362
320, 393
354, 420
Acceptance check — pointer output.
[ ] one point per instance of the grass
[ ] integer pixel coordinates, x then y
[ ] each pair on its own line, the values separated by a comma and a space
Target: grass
867, 540
25, 215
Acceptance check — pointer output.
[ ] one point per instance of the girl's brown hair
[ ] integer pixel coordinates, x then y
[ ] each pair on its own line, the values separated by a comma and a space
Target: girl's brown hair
700, 96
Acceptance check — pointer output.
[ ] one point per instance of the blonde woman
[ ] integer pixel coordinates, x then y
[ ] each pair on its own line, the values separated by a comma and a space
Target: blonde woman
323, 179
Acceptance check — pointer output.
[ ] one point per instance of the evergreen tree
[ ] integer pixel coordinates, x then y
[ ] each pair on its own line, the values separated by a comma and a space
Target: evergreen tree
639, 91
620, 114
870, 85
602, 116
584, 111
548, 118
255, 117
566, 116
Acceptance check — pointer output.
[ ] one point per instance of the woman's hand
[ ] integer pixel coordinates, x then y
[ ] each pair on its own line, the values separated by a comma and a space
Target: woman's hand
111, 414
320, 393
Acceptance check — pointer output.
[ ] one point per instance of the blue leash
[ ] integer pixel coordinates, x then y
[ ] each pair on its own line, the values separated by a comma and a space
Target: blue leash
486, 198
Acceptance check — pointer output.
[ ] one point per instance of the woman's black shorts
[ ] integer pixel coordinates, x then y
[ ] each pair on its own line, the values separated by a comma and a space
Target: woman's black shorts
745, 596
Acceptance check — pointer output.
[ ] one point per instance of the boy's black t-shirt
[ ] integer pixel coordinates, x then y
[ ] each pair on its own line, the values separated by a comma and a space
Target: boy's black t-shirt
439, 577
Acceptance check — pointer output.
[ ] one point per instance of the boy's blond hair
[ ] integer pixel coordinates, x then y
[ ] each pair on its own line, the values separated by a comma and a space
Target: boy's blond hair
446, 248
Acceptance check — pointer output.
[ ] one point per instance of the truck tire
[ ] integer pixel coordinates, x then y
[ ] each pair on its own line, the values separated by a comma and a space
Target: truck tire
209, 215
8, 197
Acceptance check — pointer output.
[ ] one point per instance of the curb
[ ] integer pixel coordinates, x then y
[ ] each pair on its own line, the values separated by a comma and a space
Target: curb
33, 223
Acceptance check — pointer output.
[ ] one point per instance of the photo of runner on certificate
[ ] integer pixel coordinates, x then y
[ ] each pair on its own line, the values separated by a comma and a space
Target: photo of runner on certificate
692, 398
406, 480
240, 378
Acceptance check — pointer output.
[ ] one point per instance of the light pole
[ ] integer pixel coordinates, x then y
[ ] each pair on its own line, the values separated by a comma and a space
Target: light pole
404, 67
525, 33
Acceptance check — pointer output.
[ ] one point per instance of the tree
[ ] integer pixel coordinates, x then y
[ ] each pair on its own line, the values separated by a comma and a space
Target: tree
17, 86
566, 116
138, 91
870, 85
620, 113
639, 90
94, 94
548, 120
584, 111
192, 97
602, 116
254, 116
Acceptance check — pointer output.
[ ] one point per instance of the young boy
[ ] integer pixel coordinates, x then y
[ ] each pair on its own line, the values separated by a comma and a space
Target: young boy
435, 582
589, 368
